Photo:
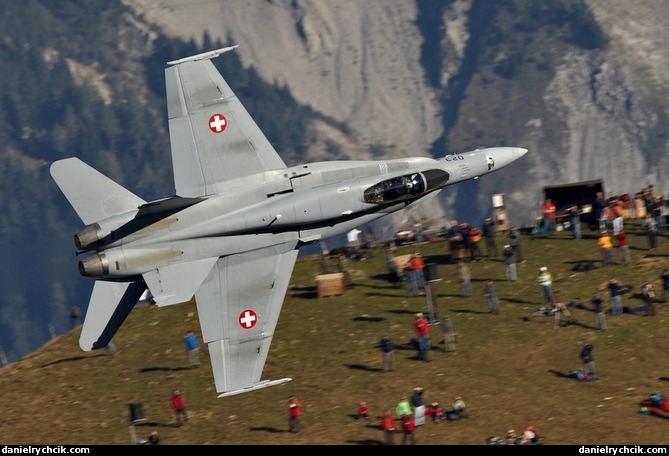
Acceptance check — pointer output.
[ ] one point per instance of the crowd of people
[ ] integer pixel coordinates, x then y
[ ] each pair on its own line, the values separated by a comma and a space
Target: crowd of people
412, 412
465, 246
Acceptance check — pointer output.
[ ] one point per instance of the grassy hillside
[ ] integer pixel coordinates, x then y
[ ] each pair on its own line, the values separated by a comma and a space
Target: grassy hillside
510, 372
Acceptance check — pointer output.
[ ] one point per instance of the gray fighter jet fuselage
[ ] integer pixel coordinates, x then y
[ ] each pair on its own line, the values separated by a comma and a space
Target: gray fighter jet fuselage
310, 202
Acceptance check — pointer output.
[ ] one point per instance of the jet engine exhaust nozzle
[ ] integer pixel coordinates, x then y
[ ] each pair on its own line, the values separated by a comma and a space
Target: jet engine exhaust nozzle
94, 266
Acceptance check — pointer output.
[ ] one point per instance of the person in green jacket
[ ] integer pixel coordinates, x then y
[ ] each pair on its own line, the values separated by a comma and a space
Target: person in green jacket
403, 408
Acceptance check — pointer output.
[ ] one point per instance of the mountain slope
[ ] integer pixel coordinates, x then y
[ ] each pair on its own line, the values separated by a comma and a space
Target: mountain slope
584, 113
511, 372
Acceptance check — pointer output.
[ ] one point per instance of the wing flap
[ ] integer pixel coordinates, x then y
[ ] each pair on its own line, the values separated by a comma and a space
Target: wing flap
177, 283
239, 305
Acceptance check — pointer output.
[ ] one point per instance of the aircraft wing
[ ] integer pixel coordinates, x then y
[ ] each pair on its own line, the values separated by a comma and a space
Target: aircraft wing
213, 137
177, 283
238, 305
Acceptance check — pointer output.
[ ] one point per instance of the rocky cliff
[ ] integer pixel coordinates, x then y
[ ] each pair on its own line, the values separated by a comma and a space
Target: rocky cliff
583, 113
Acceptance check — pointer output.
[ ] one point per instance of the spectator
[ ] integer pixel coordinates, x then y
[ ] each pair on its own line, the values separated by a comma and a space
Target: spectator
388, 426
418, 406
465, 278
600, 317
193, 348
605, 246
436, 411
575, 221
179, 406
509, 263
422, 328
474, 237
618, 222
418, 265
648, 296
412, 283
490, 292
623, 248
550, 213
530, 436
408, 427
650, 227
488, 231
394, 275
545, 279
363, 411
448, 331
588, 361
387, 353
294, 414
403, 408
154, 438
658, 213
459, 408
514, 242
456, 241
599, 208
615, 292
343, 268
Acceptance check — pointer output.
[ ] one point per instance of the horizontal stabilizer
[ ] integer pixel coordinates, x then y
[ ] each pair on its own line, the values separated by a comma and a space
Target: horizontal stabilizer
257, 386
110, 305
93, 195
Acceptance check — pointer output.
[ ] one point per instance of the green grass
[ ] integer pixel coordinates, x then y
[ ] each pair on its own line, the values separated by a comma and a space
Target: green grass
509, 371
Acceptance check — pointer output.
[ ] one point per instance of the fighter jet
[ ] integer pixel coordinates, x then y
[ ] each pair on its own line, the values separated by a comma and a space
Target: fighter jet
230, 236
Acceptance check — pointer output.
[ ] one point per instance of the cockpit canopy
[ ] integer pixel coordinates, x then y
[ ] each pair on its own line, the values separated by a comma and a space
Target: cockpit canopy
399, 188
407, 187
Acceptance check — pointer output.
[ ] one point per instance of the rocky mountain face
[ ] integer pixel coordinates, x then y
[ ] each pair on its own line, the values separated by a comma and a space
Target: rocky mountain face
584, 114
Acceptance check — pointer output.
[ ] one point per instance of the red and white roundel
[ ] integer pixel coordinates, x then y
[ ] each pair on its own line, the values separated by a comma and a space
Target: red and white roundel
217, 123
248, 319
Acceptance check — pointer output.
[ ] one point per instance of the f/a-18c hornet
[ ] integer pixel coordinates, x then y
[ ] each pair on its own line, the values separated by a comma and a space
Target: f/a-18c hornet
230, 236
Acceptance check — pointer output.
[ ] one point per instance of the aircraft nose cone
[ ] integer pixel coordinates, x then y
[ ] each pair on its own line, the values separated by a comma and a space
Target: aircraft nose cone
521, 151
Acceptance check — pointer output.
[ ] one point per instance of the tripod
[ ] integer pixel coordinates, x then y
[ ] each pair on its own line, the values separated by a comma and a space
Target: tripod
560, 310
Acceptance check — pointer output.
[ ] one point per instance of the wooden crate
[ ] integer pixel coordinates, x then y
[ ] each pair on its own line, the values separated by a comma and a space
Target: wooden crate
401, 261
330, 284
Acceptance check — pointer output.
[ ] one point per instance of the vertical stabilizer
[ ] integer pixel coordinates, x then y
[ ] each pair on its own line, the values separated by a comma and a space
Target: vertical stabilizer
110, 304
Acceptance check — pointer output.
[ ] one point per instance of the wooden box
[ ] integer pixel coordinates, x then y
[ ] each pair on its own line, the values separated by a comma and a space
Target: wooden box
330, 284
401, 261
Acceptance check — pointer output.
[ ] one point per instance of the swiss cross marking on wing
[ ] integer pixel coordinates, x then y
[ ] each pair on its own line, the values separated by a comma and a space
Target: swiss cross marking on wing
248, 319
217, 123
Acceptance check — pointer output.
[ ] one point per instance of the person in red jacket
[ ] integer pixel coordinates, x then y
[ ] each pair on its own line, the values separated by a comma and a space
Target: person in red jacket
363, 411
294, 414
179, 407
408, 427
623, 248
388, 425
550, 213
422, 328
